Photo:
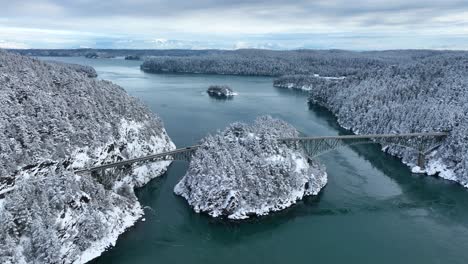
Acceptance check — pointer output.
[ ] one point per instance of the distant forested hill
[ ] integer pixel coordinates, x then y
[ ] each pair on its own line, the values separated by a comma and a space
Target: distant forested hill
277, 63
109, 53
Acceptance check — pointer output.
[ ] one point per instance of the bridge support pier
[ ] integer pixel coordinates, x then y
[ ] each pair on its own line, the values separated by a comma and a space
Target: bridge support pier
421, 160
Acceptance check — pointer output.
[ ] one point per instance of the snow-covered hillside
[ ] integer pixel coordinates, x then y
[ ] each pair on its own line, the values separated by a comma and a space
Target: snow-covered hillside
55, 119
429, 95
245, 171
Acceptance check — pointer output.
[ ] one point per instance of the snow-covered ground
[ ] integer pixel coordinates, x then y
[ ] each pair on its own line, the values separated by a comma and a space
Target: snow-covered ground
303, 82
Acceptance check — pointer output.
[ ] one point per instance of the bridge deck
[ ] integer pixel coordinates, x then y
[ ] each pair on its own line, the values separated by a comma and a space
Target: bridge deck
145, 158
191, 148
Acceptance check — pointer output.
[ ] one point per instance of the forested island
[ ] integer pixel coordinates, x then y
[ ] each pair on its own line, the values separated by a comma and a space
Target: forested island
55, 119
245, 171
220, 91
133, 57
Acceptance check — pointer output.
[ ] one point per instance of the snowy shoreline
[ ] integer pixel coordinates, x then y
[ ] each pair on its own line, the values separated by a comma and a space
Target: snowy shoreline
428, 95
434, 166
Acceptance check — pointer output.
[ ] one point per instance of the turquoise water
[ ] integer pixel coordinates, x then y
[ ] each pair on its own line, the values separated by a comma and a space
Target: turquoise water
373, 210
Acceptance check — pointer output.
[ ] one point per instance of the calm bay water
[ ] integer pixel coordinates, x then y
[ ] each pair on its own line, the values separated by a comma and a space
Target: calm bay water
373, 210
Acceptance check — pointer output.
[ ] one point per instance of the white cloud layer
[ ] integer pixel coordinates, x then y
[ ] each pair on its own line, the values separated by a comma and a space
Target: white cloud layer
277, 24
5, 44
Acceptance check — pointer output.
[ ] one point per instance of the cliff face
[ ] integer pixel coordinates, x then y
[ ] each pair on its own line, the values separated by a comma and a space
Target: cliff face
245, 171
55, 119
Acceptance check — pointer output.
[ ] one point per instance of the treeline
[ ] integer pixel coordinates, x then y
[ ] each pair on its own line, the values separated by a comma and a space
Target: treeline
277, 63
265, 63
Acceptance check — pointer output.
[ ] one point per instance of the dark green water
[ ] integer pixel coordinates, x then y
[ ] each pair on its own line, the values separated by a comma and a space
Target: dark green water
373, 210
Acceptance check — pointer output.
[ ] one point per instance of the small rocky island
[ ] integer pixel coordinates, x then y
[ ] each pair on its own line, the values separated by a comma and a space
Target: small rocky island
220, 91
132, 57
92, 55
245, 171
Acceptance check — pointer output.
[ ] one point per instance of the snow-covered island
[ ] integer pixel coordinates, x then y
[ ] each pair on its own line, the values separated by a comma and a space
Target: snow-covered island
221, 91
55, 119
245, 171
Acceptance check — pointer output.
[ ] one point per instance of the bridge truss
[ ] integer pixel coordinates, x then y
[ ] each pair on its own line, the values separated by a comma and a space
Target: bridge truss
420, 143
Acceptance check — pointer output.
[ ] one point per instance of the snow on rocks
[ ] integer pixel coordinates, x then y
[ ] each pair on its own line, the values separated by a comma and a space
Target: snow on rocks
54, 119
245, 171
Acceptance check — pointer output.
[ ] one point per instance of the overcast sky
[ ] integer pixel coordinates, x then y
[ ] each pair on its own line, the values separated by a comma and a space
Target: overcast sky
231, 24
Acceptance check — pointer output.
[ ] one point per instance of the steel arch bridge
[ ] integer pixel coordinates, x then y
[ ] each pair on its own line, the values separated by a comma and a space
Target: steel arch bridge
421, 143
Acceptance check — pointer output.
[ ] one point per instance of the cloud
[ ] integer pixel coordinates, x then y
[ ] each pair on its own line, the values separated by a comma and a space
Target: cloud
4, 44
235, 23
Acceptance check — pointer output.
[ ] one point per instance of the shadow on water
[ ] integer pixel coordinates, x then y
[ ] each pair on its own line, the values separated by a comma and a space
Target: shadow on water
221, 98
331, 120
231, 232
